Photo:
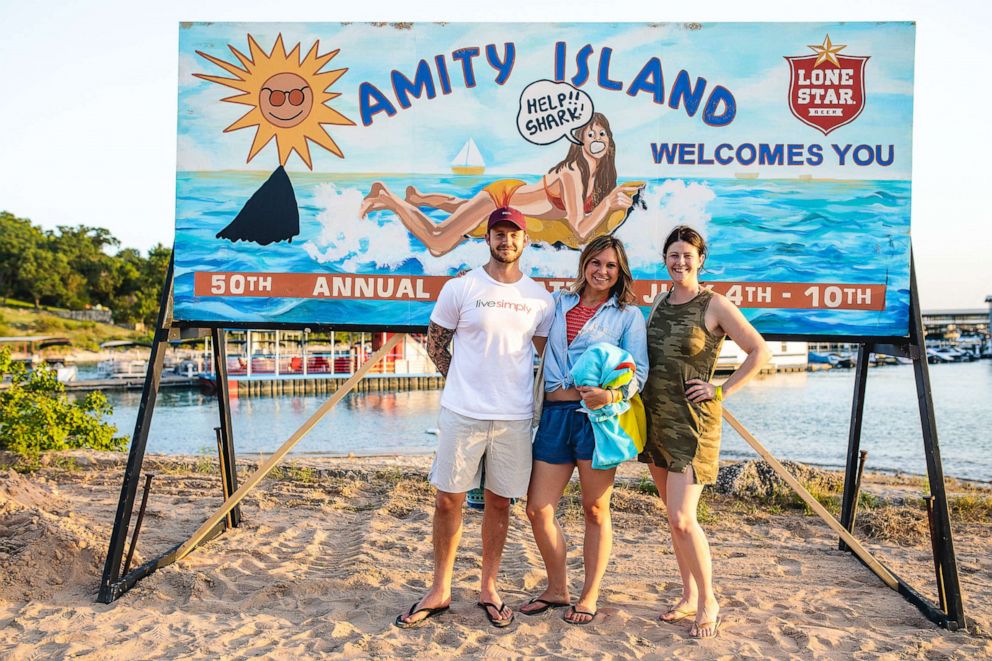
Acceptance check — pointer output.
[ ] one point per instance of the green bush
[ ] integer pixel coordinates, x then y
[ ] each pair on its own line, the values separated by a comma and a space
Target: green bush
51, 324
36, 415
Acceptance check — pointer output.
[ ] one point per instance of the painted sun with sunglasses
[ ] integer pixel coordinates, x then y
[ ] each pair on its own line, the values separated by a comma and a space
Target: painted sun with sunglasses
285, 100
288, 96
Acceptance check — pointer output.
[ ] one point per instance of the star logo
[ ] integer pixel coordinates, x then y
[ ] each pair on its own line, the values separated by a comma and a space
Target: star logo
827, 52
827, 90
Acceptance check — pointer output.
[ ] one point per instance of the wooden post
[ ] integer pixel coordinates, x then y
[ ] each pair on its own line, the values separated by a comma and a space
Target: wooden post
814, 504
136, 455
278, 455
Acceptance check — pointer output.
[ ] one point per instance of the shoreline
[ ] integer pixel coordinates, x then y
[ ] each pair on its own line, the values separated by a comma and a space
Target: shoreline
247, 463
332, 549
890, 472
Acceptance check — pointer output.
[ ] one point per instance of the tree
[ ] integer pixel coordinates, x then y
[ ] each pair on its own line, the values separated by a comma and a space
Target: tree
74, 267
85, 249
19, 240
44, 275
141, 284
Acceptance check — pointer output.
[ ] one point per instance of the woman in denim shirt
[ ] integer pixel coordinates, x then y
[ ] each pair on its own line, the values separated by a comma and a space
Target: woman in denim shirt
598, 307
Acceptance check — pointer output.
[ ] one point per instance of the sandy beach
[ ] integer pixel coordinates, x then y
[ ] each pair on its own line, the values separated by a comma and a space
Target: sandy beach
331, 550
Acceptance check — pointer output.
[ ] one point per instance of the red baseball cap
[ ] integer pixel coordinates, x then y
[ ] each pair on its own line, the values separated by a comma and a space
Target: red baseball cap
507, 215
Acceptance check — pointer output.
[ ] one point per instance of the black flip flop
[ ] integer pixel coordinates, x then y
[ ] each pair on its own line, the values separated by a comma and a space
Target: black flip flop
547, 605
499, 624
406, 624
576, 611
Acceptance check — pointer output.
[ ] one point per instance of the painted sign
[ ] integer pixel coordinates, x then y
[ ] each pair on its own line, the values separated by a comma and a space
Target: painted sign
338, 174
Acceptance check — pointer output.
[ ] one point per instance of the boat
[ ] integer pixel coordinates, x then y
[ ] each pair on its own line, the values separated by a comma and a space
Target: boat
64, 373
936, 356
786, 357
65, 370
843, 360
833, 358
123, 366
28, 351
950, 355
469, 160
880, 359
817, 358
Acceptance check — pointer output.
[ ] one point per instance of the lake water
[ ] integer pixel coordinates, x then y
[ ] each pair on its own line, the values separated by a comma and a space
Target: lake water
802, 416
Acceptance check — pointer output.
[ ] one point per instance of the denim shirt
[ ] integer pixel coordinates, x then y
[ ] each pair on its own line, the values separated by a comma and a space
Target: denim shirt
623, 328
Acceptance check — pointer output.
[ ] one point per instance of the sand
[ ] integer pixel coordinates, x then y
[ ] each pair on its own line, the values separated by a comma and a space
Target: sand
331, 550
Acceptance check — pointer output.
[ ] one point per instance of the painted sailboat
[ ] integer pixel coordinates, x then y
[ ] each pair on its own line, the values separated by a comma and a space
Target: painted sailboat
469, 160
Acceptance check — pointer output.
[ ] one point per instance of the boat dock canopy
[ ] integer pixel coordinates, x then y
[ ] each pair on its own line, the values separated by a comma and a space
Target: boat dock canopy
118, 344
38, 341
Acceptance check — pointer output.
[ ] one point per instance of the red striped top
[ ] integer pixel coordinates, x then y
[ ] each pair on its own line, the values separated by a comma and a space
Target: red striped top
576, 318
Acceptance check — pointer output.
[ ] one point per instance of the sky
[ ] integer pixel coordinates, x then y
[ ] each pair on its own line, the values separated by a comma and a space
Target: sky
89, 122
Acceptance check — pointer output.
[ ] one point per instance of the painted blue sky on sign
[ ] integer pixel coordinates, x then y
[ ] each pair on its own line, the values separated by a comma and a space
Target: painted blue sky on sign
746, 58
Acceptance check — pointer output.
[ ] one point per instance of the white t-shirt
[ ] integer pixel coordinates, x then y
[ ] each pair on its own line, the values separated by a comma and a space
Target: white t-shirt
491, 376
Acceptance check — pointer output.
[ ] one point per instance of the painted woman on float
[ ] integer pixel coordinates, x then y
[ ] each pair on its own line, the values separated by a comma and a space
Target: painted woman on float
598, 308
686, 329
577, 200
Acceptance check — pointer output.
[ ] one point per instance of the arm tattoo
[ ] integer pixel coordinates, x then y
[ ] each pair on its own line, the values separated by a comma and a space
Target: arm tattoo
438, 339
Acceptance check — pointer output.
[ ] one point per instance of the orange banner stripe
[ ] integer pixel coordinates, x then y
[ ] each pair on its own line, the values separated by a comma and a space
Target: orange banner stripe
346, 286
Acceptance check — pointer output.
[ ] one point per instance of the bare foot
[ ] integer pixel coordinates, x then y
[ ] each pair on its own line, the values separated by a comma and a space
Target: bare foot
581, 613
499, 615
375, 200
707, 620
544, 601
428, 601
685, 607
413, 196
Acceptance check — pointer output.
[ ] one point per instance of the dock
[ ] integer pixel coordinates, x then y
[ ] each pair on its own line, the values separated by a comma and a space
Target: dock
267, 387
316, 385
132, 383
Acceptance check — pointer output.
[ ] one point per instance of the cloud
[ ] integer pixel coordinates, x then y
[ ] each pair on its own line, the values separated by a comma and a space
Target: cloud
347, 239
191, 155
669, 204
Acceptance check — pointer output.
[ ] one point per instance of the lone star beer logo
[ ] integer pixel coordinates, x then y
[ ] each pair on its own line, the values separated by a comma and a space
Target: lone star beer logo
827, 90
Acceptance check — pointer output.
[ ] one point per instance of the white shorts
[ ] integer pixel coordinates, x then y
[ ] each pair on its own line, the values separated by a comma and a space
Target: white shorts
463, 444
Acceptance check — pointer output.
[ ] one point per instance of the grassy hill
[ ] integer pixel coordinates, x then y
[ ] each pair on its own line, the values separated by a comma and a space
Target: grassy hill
20, 319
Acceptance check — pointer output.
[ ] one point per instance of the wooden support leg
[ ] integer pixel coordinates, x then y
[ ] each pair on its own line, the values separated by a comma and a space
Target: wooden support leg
136, 455
944, 559
278, 455
229, 470
854, 442
855, 546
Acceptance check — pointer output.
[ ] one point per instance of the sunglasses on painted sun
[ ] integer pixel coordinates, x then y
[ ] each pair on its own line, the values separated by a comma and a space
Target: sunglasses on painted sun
279, 97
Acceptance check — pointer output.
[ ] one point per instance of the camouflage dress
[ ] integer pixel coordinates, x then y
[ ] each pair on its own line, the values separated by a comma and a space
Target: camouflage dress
680, 347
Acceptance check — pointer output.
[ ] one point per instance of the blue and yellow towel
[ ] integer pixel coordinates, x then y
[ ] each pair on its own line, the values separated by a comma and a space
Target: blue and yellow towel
620, 429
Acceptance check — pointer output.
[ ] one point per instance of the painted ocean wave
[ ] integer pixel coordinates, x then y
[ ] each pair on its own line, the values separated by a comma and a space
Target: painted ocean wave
761, 231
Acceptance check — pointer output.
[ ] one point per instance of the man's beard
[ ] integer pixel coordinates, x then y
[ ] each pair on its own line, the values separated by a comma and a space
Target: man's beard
508, 259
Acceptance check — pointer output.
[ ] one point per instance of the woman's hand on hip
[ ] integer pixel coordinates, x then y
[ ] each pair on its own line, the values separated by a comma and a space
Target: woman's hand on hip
698, 390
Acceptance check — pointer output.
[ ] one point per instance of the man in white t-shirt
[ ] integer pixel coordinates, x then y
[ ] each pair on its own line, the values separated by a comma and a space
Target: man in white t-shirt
495, 314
